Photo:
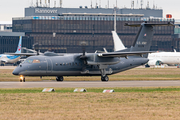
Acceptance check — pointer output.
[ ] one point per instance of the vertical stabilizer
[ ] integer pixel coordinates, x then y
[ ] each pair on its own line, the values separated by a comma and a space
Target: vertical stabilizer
19, 45
143, 39
118, 45
145, 35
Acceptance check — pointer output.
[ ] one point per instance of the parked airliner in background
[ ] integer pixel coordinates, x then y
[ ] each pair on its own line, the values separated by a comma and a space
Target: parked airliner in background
159, 58
6, 58
118, 45
90, 64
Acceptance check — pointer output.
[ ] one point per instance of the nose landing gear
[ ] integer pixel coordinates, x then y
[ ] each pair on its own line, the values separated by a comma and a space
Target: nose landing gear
22, 78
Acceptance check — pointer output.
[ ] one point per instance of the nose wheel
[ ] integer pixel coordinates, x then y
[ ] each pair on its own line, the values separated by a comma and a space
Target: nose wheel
59, 78
22, 78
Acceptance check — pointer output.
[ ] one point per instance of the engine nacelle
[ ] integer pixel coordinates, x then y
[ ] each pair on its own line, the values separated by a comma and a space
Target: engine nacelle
154, 62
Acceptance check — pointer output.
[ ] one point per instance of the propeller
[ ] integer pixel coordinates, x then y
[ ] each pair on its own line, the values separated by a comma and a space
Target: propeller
36, 47
83, 56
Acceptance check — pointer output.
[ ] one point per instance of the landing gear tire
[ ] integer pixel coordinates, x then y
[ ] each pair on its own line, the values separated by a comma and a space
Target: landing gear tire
105, 78
22, 79
59, 78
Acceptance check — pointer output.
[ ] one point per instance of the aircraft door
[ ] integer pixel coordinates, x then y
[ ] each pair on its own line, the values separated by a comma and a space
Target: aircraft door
49, 66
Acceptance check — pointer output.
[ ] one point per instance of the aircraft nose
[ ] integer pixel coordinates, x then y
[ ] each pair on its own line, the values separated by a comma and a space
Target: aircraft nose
15, 72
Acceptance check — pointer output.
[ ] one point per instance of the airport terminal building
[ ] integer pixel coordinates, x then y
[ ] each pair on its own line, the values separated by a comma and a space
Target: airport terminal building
63, 29
9, 40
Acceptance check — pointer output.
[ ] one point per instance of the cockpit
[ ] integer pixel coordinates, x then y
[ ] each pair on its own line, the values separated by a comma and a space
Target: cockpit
31, 61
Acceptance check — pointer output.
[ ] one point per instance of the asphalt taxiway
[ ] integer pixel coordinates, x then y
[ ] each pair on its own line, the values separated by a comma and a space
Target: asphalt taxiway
91, 84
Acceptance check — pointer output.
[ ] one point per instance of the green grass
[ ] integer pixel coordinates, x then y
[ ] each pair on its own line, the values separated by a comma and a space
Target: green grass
95, 90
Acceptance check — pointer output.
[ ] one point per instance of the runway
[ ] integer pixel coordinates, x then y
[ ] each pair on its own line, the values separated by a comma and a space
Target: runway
90, 84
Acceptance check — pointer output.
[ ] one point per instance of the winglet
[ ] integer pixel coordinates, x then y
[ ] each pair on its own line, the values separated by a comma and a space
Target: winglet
19, 45
118, 45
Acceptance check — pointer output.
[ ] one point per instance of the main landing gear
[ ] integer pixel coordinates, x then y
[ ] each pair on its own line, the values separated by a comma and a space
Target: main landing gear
59, 78
105, 78
22, 78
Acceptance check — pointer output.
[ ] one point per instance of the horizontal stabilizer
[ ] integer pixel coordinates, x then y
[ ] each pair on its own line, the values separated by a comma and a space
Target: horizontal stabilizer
123, 54
149, 24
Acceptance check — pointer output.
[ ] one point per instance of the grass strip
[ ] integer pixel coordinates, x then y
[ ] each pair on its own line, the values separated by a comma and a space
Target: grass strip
94, 90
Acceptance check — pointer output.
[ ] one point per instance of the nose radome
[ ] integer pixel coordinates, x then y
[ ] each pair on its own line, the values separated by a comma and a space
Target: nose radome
15, 72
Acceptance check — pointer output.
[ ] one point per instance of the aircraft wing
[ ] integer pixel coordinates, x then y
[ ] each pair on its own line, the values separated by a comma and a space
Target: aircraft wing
22, 54
123, 54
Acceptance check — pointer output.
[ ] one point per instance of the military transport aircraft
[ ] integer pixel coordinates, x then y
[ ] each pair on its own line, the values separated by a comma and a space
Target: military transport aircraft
90, 64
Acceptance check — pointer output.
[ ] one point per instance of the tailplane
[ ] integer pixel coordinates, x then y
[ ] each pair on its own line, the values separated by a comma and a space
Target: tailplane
145, 35
19, 45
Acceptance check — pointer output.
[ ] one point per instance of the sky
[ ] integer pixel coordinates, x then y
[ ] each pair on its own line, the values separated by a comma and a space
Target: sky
15, 8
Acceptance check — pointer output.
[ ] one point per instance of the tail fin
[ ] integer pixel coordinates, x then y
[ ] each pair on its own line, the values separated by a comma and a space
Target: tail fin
118, 45
19, 45
145, 35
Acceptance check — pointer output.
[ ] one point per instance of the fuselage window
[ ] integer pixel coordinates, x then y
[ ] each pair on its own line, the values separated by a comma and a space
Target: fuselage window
60, 64
70, 64
76, 63
63, 64
36, 61
56, 64
66, 63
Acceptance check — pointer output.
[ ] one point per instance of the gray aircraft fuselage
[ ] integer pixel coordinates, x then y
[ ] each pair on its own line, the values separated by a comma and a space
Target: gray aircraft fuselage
71, 65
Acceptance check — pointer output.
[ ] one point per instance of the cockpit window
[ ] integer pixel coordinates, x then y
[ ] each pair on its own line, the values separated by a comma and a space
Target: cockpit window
28, 61
31, 61
36, 61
